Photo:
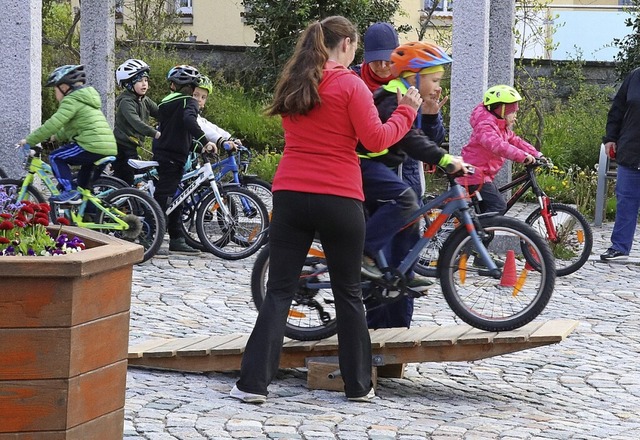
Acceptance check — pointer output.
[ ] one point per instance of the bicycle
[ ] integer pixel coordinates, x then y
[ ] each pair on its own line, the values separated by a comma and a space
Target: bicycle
124, 213
476, 288
566, 230
230, 221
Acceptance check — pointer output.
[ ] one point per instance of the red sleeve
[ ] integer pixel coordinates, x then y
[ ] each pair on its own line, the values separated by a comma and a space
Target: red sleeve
373, 134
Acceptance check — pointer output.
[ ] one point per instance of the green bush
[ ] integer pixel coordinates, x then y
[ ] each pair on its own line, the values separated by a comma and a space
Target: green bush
573, 131
233, 109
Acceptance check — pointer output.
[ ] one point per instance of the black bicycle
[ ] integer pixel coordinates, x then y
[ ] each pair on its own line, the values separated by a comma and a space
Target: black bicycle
566, 230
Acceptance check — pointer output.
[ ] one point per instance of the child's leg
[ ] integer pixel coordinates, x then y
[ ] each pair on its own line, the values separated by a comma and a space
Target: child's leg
492, 200
74, 154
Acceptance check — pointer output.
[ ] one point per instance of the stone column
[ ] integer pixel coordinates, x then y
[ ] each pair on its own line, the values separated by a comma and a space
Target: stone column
97, 49
20, 52
470, 66
501, 54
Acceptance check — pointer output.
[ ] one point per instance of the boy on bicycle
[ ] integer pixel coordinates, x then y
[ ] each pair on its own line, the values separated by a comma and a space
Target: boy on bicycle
133, 109
178, 118
389, 199
214, 134
80, 124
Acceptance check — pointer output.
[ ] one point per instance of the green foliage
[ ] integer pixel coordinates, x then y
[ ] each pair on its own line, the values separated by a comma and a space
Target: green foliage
230, 107
60, 45
264, 164
628, 57
150, 20
278, 23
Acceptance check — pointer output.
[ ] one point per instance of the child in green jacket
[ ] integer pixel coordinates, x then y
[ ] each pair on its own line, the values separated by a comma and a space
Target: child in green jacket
80, 124
133, 109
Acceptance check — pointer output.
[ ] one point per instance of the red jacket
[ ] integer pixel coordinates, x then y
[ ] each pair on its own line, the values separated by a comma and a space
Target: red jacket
491, 143
320, 147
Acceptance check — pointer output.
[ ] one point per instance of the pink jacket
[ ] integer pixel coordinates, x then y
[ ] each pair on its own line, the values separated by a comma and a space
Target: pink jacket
491, 143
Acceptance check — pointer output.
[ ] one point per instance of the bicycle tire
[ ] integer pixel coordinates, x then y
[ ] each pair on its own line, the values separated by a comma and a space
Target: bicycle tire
260, 187
146, 209
189, 213
573, 246
12, 187
510, 301
427, 264
312, 314
239, 235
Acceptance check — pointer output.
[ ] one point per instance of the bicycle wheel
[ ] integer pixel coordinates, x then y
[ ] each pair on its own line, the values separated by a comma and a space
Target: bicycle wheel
189, 214
574, 238
508, 301
259, 187
11, 188
143, 214
427, 263
312, 315
236, 235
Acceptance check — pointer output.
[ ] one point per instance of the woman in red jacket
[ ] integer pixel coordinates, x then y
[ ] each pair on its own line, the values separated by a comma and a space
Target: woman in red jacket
317, 188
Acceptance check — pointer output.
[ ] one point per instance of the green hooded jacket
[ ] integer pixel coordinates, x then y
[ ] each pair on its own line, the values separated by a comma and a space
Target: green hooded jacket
132, 119
79, 119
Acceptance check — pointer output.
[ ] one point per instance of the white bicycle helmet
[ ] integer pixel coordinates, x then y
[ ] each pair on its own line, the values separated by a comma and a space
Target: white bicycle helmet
130, 69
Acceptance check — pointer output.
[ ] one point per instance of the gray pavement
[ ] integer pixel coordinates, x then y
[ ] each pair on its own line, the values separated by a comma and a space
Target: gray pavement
586, 387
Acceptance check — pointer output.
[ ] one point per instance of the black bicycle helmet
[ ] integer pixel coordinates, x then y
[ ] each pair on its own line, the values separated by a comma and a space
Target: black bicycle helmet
184, 75
69, 74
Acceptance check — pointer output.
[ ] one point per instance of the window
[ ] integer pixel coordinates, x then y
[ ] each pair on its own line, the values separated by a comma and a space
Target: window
444, 6
184, 7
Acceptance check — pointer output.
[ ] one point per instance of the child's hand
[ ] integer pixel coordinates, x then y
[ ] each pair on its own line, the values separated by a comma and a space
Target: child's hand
229, 146
210, 147
433, 104
611, 148
21, 143
529, 160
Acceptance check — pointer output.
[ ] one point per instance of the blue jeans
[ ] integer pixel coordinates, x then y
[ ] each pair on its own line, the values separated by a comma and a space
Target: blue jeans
627, 206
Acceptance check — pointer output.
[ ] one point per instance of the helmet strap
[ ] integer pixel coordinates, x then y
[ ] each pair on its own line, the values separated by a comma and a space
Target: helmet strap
418, 122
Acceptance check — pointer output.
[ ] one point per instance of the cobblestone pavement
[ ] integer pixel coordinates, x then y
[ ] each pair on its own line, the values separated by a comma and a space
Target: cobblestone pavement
586, 387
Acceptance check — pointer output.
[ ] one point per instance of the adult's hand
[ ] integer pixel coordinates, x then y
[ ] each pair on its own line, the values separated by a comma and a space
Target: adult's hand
412, 98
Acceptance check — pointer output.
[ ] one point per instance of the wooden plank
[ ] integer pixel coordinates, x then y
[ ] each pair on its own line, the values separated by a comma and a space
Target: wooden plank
476, 336
294, 345
170, 348
137, 351
411, 337
445, 335
521, 334
327, 344
554, 331
235, 346
204, 347
380, 336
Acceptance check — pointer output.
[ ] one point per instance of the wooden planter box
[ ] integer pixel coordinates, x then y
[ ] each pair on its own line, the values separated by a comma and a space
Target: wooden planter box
64, 330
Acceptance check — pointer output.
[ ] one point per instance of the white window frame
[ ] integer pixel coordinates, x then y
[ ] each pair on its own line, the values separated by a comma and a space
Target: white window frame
444, 7
184, 10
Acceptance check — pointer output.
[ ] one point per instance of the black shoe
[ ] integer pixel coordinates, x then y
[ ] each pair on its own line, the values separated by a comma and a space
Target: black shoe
179, 246
612, 254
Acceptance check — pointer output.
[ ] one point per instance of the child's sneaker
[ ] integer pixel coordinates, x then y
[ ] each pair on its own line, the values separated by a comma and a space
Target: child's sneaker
70, 197
247, 397
369, 268
180, 246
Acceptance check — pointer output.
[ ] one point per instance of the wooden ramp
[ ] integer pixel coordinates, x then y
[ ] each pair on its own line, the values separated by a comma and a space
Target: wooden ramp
390, 346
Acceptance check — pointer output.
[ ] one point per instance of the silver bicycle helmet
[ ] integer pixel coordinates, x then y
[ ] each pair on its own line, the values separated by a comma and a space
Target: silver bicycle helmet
130, 69
184, 75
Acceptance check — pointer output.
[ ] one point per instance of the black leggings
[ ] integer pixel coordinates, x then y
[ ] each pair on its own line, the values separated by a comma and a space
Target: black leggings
340, 225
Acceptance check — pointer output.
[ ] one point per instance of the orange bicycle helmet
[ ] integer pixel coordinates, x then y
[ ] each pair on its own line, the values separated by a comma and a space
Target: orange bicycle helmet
416, 56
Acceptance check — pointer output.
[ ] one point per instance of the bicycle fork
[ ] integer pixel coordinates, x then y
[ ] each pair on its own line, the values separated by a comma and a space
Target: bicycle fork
546, 214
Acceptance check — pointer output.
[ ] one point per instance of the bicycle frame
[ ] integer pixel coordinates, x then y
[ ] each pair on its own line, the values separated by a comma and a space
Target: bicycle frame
34, 166
527, 179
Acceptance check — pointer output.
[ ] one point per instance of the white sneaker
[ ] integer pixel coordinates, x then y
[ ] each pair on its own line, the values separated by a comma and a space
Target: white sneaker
366, 398
247, 397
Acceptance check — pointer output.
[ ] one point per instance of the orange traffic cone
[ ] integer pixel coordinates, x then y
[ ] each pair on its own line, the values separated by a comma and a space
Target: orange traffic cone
509, 277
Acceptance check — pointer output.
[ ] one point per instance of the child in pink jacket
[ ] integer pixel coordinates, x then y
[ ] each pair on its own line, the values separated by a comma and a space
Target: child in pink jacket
492, 142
